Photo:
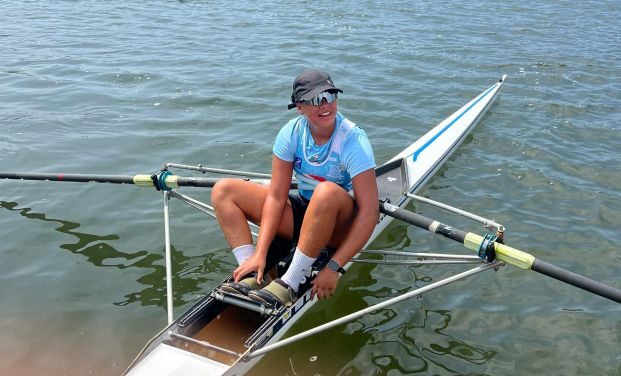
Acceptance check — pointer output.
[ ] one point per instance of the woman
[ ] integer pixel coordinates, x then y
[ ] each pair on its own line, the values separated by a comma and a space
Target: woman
332, 158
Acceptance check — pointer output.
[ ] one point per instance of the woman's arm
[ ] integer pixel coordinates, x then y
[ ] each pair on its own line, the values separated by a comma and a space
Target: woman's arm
366, 197
271, 218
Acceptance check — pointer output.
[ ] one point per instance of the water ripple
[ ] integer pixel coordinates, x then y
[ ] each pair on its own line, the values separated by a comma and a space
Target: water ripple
122, 87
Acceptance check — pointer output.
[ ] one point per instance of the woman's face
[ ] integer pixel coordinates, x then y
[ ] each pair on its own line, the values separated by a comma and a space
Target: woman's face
322, 116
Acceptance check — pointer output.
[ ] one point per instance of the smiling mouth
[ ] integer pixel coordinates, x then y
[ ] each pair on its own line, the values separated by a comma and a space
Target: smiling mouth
324, 114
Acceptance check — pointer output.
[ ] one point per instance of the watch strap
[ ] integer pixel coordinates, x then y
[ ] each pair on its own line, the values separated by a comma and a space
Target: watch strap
334, 266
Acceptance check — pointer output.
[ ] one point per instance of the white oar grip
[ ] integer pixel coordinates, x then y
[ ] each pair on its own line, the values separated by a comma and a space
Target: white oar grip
504, 253
172, 181
143, 180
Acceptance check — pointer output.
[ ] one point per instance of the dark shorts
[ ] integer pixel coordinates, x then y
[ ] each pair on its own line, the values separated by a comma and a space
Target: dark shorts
298, 206
281, 247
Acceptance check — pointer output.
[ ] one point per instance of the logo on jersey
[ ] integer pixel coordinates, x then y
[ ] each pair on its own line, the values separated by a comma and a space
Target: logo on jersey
314, 159
297, 163
336, 172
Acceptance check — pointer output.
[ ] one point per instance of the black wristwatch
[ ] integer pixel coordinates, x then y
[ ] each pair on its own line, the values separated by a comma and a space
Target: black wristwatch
334, 266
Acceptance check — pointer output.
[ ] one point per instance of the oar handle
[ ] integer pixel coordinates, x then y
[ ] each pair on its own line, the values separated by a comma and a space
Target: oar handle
422, 222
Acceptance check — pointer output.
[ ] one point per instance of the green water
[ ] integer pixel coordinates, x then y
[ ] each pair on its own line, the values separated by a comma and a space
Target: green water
122, 88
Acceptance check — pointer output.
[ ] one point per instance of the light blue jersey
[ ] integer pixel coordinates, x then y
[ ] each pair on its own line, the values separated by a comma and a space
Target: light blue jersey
345, 155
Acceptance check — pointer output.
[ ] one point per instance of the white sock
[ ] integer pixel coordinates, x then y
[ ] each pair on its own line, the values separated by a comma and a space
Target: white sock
243, 252
299, 265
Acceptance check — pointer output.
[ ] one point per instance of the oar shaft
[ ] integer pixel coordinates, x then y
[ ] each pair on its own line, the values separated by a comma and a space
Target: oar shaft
142, 180
504, 253
577, 280
80, 178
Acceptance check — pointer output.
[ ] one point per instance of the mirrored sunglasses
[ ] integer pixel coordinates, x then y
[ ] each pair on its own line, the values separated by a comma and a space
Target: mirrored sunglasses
318, 99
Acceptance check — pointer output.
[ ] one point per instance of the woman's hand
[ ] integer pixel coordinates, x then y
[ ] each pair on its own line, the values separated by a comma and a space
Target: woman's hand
256, 263
325, 283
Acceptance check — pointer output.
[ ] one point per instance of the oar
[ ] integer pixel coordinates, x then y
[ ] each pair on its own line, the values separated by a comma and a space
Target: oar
162, 180
165, 180
503, 252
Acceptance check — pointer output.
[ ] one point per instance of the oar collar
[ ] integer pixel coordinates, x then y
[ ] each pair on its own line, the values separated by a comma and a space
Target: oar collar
159, 180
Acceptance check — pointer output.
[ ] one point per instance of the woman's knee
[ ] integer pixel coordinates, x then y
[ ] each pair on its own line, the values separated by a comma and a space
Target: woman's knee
328, 190
222, 191
236, 193
330, 194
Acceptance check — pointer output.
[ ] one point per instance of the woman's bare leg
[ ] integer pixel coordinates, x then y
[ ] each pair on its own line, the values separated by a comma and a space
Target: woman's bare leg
237, 201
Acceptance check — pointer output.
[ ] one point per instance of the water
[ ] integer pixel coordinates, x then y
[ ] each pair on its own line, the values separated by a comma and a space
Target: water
120, 88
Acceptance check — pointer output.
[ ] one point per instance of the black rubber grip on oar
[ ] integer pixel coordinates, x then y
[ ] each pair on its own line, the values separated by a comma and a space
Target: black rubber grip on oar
423, 222
577, 280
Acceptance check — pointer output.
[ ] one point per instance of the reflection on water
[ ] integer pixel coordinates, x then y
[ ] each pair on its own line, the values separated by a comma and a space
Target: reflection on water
407, 338
98, 251
448, 345
418, 345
